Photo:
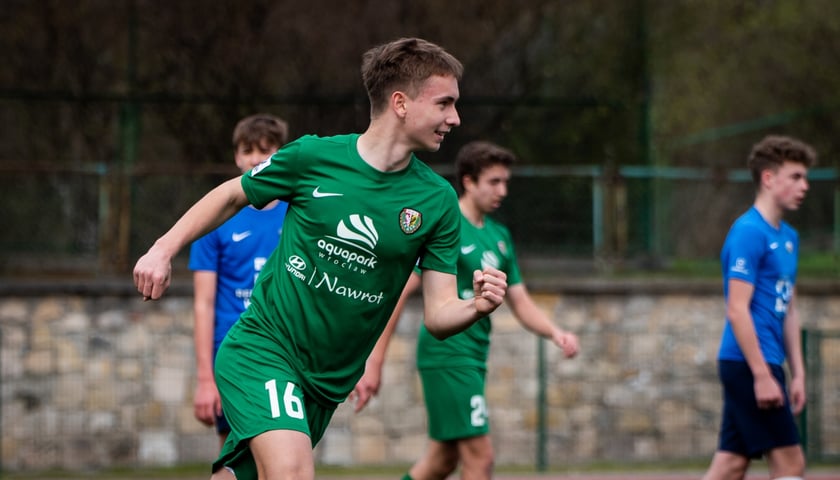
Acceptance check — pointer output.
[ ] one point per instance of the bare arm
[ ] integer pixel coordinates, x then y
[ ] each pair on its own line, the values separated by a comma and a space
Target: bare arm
152, 273
206, 402
369, 384
768, 392
536, 321
445, 314
793, 348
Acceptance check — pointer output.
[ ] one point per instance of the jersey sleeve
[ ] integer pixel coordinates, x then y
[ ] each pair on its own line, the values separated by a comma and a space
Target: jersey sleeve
204, 253
512, 270
744, 249
276, 177
441, 251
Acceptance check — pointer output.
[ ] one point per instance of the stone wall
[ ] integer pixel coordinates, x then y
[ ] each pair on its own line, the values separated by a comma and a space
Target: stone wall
93, 377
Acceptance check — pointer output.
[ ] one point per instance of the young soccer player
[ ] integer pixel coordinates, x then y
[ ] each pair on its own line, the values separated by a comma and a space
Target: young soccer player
363, 210
226, 262
759, 260
453, 370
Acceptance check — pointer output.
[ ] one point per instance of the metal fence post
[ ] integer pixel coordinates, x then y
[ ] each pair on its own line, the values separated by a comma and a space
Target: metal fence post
542, 421
1, 404
803, 417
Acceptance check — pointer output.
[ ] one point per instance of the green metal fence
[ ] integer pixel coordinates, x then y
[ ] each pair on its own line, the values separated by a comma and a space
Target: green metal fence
97, 220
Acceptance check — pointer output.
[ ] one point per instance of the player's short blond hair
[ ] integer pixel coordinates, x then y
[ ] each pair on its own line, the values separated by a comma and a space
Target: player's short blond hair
404, 64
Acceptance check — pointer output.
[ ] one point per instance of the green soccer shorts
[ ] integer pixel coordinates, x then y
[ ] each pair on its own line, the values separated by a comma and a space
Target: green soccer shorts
260, 393
455, 403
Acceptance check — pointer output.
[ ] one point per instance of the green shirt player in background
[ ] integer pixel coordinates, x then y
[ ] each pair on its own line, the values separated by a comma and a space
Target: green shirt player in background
453, 370
363, 210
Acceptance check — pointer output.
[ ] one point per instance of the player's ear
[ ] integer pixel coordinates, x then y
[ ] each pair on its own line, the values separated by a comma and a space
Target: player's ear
767, 176
468, 182
398, 103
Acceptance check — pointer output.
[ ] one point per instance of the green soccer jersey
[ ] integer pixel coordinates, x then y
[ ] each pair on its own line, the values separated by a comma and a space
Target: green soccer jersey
490, 245
350, 239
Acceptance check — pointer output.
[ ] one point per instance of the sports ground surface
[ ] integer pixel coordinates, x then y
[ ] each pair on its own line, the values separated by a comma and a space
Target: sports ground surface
572, 476
822, 472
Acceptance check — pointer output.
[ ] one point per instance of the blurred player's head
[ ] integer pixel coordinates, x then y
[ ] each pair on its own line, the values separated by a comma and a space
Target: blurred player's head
779, 167
475, 157
256, 137
404, 65
774, 150
482, 175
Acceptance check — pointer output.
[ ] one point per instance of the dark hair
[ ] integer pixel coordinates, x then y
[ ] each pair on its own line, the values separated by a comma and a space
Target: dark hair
773, 150
404, 64
259, 130
476, 156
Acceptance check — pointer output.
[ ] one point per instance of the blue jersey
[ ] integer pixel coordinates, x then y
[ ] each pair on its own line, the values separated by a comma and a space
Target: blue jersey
766, 257
236, 251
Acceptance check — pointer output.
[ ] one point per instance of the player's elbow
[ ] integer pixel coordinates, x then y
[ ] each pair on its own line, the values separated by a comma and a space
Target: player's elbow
436, 329
737, 313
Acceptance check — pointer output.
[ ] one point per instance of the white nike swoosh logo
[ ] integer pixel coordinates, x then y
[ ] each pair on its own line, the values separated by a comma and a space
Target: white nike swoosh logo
238, 237
468, 249
319, 194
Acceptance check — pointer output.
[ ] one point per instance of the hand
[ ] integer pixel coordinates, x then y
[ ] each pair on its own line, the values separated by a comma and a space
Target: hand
489, 286
566, 341
207, 404
768, 392
366, 388
152, 274
797, 395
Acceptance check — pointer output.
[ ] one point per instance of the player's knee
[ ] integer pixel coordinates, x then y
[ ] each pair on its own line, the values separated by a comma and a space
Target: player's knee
485, 465
446, 464
727, 465
480, 463
787, 464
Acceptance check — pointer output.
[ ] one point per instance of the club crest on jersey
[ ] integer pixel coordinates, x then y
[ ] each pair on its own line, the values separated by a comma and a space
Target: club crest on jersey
410, 220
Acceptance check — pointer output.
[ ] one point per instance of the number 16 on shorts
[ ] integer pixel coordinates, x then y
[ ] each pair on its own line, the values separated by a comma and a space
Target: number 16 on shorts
292, 405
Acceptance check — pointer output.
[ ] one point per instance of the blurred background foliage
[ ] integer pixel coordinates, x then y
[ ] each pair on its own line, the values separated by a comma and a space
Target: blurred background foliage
632, 118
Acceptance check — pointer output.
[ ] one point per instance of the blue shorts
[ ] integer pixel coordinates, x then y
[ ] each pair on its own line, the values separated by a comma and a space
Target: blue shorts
222, 425
746, 429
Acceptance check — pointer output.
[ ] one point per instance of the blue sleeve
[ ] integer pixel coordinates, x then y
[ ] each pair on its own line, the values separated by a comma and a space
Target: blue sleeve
743, 250
204, 253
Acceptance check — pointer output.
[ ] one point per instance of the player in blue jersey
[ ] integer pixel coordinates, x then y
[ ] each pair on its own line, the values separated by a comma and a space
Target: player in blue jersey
759, 263
226, 263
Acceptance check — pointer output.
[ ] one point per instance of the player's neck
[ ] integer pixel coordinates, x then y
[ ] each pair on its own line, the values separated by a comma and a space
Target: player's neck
382, 149
771, 212
471, 212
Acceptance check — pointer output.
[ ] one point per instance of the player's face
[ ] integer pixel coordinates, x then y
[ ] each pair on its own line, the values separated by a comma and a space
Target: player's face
431, 114
490, 189
789, 184
249, 156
